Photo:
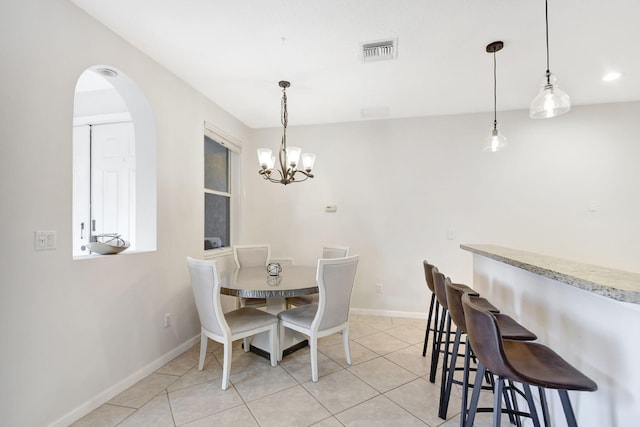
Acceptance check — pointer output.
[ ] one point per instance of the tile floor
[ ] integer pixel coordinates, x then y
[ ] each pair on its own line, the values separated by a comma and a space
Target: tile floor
386, 385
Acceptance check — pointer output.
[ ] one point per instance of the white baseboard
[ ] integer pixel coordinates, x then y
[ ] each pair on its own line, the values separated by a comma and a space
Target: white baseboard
388, 313
122, 385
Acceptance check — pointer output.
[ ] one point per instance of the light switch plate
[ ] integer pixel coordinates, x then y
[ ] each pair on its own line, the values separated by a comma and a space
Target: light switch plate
45, 240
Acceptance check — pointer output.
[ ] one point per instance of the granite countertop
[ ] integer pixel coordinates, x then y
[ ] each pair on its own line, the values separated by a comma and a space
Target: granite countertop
608, 282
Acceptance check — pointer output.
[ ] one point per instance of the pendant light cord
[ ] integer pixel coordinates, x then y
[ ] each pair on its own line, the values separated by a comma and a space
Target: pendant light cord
495, 96
546, 23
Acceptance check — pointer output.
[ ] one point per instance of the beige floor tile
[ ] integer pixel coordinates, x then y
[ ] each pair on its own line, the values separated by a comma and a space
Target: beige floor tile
299, 366
199, 401
421, 398
340, 390
381, 343
239, 416
211, 371
181, 364
407, 333
105, 416
291, 407
382, 374
361, 329
378, 411
416, 323
241, 361
411, 359
358, 352
378, 322
143, 391
328, 422
156, 413
255, 383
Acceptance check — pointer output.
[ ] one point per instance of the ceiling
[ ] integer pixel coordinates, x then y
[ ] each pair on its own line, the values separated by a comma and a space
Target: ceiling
235, 52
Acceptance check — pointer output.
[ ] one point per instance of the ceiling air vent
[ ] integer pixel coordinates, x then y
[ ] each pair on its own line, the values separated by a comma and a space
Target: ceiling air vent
379, 50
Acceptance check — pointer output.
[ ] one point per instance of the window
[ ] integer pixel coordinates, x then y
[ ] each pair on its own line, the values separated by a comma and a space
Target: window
220, 167
114, 161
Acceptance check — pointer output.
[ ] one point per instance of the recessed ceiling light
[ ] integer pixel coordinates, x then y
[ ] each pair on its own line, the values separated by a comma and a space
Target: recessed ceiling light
614, 75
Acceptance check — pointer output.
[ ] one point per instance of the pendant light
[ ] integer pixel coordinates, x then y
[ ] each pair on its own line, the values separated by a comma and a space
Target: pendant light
550, 101
495, 141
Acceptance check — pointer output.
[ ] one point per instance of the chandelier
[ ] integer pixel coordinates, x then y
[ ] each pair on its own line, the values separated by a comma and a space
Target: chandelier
288, 157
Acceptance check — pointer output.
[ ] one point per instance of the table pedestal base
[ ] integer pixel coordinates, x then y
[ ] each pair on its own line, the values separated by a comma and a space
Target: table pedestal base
293, 341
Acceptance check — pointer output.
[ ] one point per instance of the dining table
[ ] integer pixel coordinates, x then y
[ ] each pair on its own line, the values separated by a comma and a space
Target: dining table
255, 282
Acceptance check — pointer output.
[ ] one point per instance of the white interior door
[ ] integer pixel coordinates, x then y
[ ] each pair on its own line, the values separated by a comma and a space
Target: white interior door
113, 171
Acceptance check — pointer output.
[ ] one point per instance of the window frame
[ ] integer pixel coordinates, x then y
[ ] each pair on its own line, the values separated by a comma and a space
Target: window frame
234, 147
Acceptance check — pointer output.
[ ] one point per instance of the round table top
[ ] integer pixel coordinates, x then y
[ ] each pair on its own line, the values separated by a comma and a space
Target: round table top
254, 282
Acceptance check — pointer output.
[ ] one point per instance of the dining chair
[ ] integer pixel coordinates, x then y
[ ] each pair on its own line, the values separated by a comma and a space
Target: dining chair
335, 279
226, 327
252, 256
328, 252
335, 252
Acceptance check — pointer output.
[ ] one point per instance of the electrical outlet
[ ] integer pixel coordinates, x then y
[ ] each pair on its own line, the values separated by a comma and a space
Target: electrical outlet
378, 288
167, 320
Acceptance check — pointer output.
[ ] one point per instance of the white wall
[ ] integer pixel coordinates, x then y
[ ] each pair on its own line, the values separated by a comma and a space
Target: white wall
75, 331
401, 184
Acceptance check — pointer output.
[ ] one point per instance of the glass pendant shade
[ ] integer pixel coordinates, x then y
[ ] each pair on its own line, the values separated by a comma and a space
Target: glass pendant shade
264, 158
550, 101
495, 141
308, 159
293, 156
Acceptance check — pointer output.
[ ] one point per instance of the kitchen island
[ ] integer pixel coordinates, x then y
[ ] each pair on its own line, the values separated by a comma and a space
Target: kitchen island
590, 315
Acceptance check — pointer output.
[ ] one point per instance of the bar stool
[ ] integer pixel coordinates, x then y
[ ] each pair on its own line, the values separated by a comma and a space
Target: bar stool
434, 307
521, 361
441, 346
509, 329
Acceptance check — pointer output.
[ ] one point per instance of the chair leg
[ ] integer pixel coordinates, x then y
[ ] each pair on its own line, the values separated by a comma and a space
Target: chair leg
544, 407
445, 394
465, 382
226, 364
497, 402
568, 410
532, 405
246, 344
426, 334
475, 396
313, 350
273, 338
445, 366
435, 348
203, 350
281, 341
345, 342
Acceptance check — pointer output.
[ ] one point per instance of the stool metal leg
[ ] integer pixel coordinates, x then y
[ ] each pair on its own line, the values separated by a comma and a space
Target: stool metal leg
497, 402
435, 349
445, 394
568, 410
544, 406
475, 396
445, 361
426, 334
532, 405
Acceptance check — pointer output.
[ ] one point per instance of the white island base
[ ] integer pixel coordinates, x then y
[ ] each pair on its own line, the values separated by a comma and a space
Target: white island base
598, 335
